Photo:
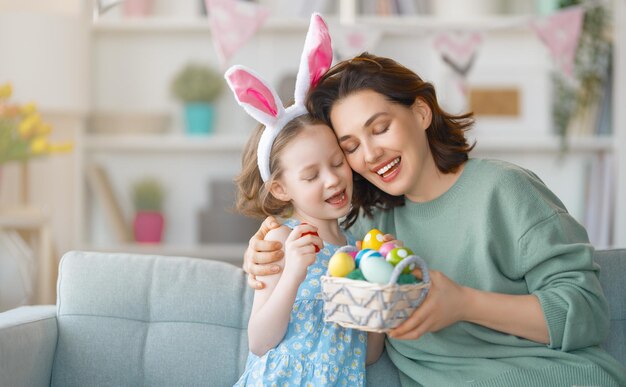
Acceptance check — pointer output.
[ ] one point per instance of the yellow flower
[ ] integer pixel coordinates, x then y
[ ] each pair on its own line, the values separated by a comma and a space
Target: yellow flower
39, 145
61, 148
6, 91
29, 108
28, 125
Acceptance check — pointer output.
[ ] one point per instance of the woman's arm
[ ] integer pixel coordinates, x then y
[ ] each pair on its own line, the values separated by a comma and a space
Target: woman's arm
448, 302
262, 256
375, 345
271, 309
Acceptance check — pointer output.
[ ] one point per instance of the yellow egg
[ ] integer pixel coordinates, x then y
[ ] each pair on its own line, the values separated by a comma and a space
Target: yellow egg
340, 265
373, 240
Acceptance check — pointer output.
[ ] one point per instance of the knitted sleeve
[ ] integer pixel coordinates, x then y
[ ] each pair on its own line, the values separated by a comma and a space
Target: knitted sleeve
560, 271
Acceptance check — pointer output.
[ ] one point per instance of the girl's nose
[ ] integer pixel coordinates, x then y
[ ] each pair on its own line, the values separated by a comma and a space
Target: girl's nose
333, 179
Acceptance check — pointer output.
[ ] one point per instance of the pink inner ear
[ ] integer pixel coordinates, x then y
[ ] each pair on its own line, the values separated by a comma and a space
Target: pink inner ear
321, 56
252, 91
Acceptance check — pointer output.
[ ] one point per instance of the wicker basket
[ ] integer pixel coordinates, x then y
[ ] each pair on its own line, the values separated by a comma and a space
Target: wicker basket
373, 307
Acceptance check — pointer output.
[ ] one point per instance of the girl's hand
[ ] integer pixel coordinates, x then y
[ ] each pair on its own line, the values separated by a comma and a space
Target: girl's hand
260, 255
300, 250
444, 306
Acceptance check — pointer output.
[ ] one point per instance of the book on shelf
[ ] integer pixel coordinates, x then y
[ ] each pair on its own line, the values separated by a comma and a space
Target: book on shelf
100, 184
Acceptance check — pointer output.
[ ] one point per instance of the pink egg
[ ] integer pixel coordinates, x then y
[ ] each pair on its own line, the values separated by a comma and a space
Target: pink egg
386, 248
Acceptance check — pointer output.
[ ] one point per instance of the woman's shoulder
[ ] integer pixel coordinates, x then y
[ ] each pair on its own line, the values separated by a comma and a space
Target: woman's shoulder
520, 185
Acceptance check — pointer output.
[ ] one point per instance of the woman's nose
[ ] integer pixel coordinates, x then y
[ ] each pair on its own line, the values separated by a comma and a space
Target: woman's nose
372, 152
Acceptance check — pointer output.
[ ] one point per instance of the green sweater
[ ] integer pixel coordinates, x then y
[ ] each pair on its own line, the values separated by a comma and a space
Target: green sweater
500, 229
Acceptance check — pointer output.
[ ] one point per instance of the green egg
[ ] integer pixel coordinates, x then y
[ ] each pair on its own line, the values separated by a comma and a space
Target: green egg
398, 254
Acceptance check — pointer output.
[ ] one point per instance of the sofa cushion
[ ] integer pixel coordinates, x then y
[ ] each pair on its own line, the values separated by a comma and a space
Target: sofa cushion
146, 320
613, 279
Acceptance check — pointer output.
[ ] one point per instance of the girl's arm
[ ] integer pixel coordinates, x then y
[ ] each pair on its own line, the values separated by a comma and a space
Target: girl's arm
271, 309
375, 345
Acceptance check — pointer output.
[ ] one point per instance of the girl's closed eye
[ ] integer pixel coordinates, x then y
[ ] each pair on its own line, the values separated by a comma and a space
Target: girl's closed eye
310, 177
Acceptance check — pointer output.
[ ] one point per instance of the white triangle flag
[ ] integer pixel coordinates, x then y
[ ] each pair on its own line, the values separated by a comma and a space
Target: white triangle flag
232, 24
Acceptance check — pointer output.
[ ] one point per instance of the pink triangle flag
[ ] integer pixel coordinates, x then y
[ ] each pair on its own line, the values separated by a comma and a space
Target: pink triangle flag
232, 24
353, 40
560, 33
458, 49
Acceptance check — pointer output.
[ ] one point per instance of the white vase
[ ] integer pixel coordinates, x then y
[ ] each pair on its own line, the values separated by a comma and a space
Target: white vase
466, 9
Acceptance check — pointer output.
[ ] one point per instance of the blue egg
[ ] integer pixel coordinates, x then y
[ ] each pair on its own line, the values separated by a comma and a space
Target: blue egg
365, 254
376, 270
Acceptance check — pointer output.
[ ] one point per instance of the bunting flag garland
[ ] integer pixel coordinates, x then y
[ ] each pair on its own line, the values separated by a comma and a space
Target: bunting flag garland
232, 24
560, 32
353, 40
458, 50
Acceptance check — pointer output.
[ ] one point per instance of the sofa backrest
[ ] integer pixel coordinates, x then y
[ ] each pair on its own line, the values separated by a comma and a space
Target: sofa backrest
123, 320
613, 279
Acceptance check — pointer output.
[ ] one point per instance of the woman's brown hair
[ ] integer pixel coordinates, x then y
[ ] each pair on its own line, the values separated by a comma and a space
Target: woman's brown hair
254, 198
446, 133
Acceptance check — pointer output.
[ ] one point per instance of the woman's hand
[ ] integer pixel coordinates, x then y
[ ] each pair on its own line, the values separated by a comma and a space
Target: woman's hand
444, 305
261, 254
300, 250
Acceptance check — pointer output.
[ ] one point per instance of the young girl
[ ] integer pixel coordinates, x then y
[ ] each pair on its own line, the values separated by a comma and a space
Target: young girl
293, 168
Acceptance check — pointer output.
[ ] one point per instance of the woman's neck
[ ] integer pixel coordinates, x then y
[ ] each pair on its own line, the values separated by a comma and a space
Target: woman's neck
328, 229
434, 183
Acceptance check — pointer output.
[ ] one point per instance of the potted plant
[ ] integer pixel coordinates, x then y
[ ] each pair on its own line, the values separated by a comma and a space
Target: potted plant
198, 86
148, 202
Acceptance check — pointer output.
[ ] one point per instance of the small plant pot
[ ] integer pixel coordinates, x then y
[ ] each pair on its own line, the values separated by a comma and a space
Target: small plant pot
148, 227
137, 8
200, 118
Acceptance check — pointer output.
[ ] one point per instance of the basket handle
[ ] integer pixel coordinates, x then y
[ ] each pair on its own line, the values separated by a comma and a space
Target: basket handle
419, 261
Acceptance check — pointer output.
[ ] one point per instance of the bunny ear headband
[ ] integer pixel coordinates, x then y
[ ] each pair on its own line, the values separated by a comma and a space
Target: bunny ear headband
261, 101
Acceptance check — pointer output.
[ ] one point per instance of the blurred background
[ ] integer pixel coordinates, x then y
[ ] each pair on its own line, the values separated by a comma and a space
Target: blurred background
117, 133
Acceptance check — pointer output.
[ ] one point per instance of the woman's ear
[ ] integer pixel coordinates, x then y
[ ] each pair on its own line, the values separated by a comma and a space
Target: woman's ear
422, 112
279, 191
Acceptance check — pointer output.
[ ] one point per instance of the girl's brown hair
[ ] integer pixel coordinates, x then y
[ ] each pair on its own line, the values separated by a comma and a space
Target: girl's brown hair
446, 133
254, 198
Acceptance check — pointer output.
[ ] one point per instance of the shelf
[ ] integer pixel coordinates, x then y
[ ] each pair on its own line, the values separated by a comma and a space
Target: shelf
541, 144
164, 24
394, 25
231, 253
485, 143
164, 143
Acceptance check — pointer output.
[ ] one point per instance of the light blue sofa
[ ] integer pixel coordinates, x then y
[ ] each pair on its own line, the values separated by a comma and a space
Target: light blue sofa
130, 320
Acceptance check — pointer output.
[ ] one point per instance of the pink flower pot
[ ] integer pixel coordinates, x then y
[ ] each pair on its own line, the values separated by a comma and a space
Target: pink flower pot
137, 8
148, 227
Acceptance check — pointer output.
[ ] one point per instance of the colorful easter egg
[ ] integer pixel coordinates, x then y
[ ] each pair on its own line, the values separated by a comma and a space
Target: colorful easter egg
386, 248
398, 254
373, 240
376, 270
317, 249
340, 265
366, 253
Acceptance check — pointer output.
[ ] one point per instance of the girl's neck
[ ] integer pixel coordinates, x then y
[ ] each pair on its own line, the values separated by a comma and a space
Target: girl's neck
328, 229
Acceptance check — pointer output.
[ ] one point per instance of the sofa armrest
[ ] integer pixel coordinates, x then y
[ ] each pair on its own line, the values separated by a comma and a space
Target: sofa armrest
28, 338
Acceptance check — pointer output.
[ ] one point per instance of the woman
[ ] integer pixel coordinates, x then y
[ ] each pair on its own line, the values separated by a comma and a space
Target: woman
515, 296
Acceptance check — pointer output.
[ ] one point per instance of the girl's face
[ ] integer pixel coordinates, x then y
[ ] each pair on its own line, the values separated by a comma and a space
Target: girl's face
316, 177
386, 142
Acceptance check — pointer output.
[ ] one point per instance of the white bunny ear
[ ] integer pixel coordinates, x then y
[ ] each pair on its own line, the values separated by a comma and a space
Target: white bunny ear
252, 93
316, 59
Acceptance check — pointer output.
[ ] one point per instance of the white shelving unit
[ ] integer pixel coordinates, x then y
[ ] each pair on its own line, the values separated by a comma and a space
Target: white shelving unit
120, 46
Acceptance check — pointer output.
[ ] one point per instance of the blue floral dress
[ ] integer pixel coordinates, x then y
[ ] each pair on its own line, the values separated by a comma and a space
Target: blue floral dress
313, 352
